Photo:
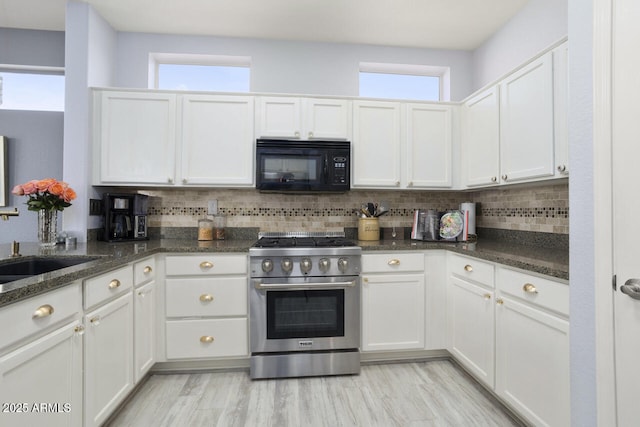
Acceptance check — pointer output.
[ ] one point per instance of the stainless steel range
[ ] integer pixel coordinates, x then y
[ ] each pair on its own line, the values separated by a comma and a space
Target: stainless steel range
304, 302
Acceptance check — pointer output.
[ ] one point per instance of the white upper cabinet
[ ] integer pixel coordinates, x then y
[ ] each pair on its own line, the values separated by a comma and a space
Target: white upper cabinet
561, 108
376, 144
135, 132
481, 138
216, 140
527, 122
303, 118
428, 143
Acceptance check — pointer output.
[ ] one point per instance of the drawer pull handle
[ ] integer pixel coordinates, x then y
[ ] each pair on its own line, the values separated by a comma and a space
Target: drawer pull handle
206, 339
206, 298
394, 262
530, 288
468, 268
486, 296
95, 321
147, 269
206, 264
42, 311
499, 301
114, 284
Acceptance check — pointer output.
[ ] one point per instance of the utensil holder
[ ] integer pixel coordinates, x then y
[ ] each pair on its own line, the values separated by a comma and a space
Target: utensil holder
368, 229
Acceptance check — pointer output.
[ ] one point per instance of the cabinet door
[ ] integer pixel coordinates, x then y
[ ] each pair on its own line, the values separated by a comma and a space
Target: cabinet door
481, 138
526, 122
136, 138
393, 312
471, 327
532, 362
326, 119
108, 358
144, 311
43, 381
279, 117
428, 142
217, 140
376, 144
561, 108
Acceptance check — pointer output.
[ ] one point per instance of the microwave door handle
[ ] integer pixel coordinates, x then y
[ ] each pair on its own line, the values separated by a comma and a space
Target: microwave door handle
326, 169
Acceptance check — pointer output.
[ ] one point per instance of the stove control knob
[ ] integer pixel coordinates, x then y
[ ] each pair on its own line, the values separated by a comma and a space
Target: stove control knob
267, 266
305, 265
324, 264
287, 265
343, 264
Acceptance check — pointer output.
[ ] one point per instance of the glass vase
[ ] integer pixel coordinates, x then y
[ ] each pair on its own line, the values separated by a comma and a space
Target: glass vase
47, 227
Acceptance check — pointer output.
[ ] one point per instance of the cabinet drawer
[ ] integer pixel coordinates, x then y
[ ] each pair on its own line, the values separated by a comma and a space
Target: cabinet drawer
392, 262
188, 339
210, 264
536, 290
472, 269
144, 271
37, 314
207, 296
108, 285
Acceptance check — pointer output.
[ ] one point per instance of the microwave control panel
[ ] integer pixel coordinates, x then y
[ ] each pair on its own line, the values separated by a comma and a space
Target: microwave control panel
340, 167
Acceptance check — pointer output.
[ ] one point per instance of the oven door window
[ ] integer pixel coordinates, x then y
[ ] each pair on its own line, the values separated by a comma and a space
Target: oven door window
305, 314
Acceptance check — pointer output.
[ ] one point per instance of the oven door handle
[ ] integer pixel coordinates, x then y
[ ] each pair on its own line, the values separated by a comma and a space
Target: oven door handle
322, 285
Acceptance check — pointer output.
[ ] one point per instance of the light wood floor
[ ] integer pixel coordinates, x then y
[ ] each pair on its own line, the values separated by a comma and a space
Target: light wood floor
433, 393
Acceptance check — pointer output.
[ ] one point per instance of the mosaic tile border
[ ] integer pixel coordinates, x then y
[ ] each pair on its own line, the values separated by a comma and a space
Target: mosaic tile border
546, 212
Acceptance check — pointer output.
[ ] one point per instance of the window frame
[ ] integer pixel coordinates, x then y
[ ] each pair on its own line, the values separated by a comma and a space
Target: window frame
157, 58
442, 72
33, 69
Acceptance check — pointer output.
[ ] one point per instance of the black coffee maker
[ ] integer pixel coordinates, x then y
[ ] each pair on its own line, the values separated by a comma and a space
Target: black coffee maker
125, 217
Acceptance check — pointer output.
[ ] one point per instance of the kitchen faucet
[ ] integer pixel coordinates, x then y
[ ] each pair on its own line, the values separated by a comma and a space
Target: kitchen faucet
6, 214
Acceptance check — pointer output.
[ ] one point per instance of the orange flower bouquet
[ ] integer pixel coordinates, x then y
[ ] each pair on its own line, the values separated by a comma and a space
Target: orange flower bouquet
48, 194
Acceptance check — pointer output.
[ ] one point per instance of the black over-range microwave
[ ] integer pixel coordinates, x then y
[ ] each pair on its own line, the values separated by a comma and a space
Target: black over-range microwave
303, 166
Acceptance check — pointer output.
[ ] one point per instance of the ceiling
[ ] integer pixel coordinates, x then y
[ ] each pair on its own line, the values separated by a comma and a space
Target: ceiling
447, 24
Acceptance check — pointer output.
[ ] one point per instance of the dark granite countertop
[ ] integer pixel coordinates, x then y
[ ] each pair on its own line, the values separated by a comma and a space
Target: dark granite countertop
550, 262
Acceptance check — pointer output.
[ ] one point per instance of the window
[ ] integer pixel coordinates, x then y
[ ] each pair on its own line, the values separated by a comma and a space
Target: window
404, 81
200, 72
32, 88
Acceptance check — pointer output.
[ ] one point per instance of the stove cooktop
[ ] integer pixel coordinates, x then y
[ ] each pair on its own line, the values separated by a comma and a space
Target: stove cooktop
302, 240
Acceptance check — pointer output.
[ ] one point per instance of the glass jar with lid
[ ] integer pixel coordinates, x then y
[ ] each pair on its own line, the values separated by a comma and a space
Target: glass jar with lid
205, 229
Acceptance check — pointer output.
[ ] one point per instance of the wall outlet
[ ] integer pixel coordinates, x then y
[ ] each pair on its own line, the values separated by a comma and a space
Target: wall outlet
212, 207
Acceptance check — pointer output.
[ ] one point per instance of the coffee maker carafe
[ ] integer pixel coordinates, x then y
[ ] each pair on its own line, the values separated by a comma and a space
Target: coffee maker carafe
125, 217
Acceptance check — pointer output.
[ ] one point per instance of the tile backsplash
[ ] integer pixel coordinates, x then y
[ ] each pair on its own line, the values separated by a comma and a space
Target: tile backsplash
540, 208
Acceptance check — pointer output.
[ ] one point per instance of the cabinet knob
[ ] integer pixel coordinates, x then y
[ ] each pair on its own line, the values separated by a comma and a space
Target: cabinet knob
410, 184
114, 284
206, 265
170, 180
42, 311
397, 183
310, 135
486, 296
494, 179
365, 280
530, 288
499, 301
79, 330
95, 321
206, 339
562, 168
147, 269
184, 180
504, 177
206, 297
468, 268
296, 134
142, 294
394, 262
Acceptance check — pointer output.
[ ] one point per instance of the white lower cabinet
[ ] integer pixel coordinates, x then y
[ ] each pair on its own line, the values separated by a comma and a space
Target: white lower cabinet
471, 327
108, 354
393, 302
41, 382
512, 333
144, 313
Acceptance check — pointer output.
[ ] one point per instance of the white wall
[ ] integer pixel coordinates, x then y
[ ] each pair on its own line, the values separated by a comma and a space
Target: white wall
286, 66
581, 206
538, 25
31, 47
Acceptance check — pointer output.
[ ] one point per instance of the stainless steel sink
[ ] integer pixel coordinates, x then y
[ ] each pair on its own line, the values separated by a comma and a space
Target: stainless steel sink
21, 269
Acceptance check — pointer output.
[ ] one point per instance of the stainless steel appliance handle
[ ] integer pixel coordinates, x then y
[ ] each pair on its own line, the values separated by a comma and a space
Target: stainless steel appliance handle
632, 288
328, 285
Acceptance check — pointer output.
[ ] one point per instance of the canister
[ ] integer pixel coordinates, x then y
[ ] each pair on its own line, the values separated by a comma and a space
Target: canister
205, 229
368, 229
219, 225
